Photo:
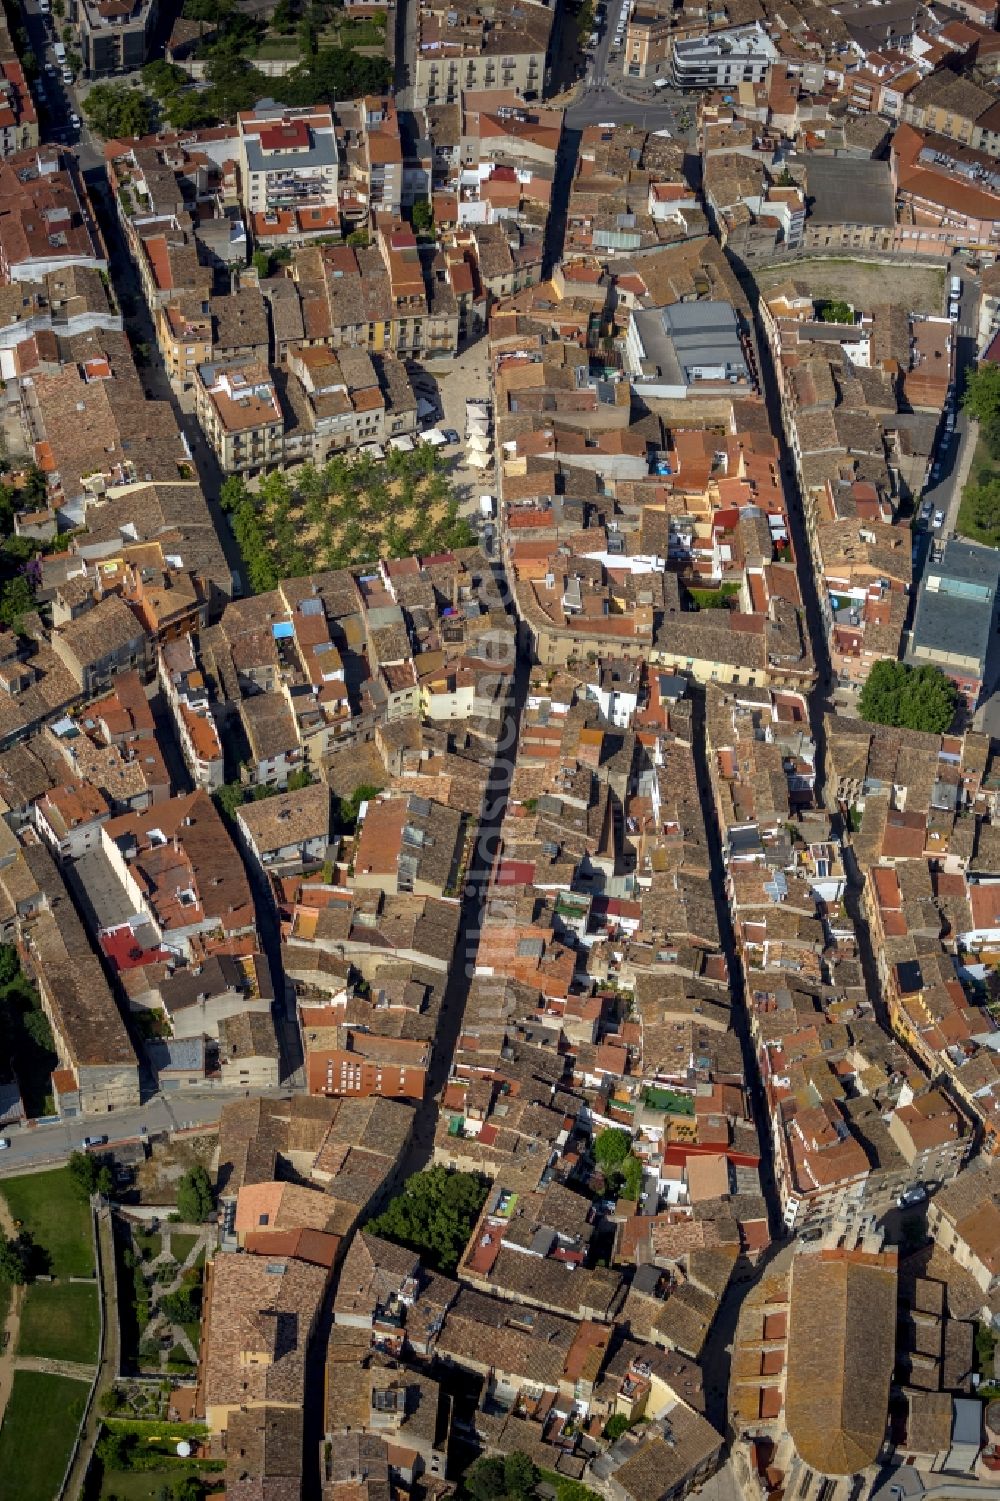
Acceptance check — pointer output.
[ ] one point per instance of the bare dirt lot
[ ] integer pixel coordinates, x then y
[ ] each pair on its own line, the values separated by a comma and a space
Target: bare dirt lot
863, 283
159, 1175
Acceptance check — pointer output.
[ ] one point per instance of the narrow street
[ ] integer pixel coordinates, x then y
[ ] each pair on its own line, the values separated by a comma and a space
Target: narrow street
456, 995
473, 903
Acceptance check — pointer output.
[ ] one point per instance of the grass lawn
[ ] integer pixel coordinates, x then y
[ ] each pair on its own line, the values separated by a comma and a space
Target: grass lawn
181, 1246
715, 599
278, 47
38, 1431
984, 468
144, 1485
48, 1206
193, 1332
148, 1244
60, 1321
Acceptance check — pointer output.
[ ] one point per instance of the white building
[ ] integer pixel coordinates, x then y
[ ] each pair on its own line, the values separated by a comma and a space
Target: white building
723, 59
288, 158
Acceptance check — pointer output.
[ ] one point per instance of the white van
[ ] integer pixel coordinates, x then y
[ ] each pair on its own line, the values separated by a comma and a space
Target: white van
956, 286
59, 53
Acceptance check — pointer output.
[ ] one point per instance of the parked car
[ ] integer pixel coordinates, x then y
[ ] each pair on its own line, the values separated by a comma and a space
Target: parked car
67, 76
74, 121
938, 520
4, 1143
50, 69
661, 83
926, 509
910, 1196
94, 1141
450, 435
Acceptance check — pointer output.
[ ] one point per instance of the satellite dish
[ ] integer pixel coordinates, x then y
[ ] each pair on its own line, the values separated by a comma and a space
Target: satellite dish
184, 1449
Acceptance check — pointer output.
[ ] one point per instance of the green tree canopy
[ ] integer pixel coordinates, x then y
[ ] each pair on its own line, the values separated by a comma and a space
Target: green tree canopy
836, 312
981, 397
114, 110
16, 599
195, 1200
485, 1481
981, 504
10, 964
90, 1174
611, 1147
434, 1215
113, 1449
347, 813
631, 1177
422, 215
36, 1024
520, 1475
915, 698
21, 1258
330, 74
182, 1306
165, 79
232, 492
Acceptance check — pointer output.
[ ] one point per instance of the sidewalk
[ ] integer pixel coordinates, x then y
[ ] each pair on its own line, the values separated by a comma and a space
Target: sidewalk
962, 476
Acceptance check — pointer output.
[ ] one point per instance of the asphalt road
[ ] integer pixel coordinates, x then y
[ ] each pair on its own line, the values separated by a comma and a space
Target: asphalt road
34, 1146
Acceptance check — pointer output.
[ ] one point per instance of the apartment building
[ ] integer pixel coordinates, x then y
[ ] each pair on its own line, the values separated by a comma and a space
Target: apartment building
239, 412
947, 104
288, 163
465, 47
184, 335
114, 35
722, 59
345, 398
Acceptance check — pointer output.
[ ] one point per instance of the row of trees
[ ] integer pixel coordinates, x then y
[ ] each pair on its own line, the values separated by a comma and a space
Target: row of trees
980, 516
354, 510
